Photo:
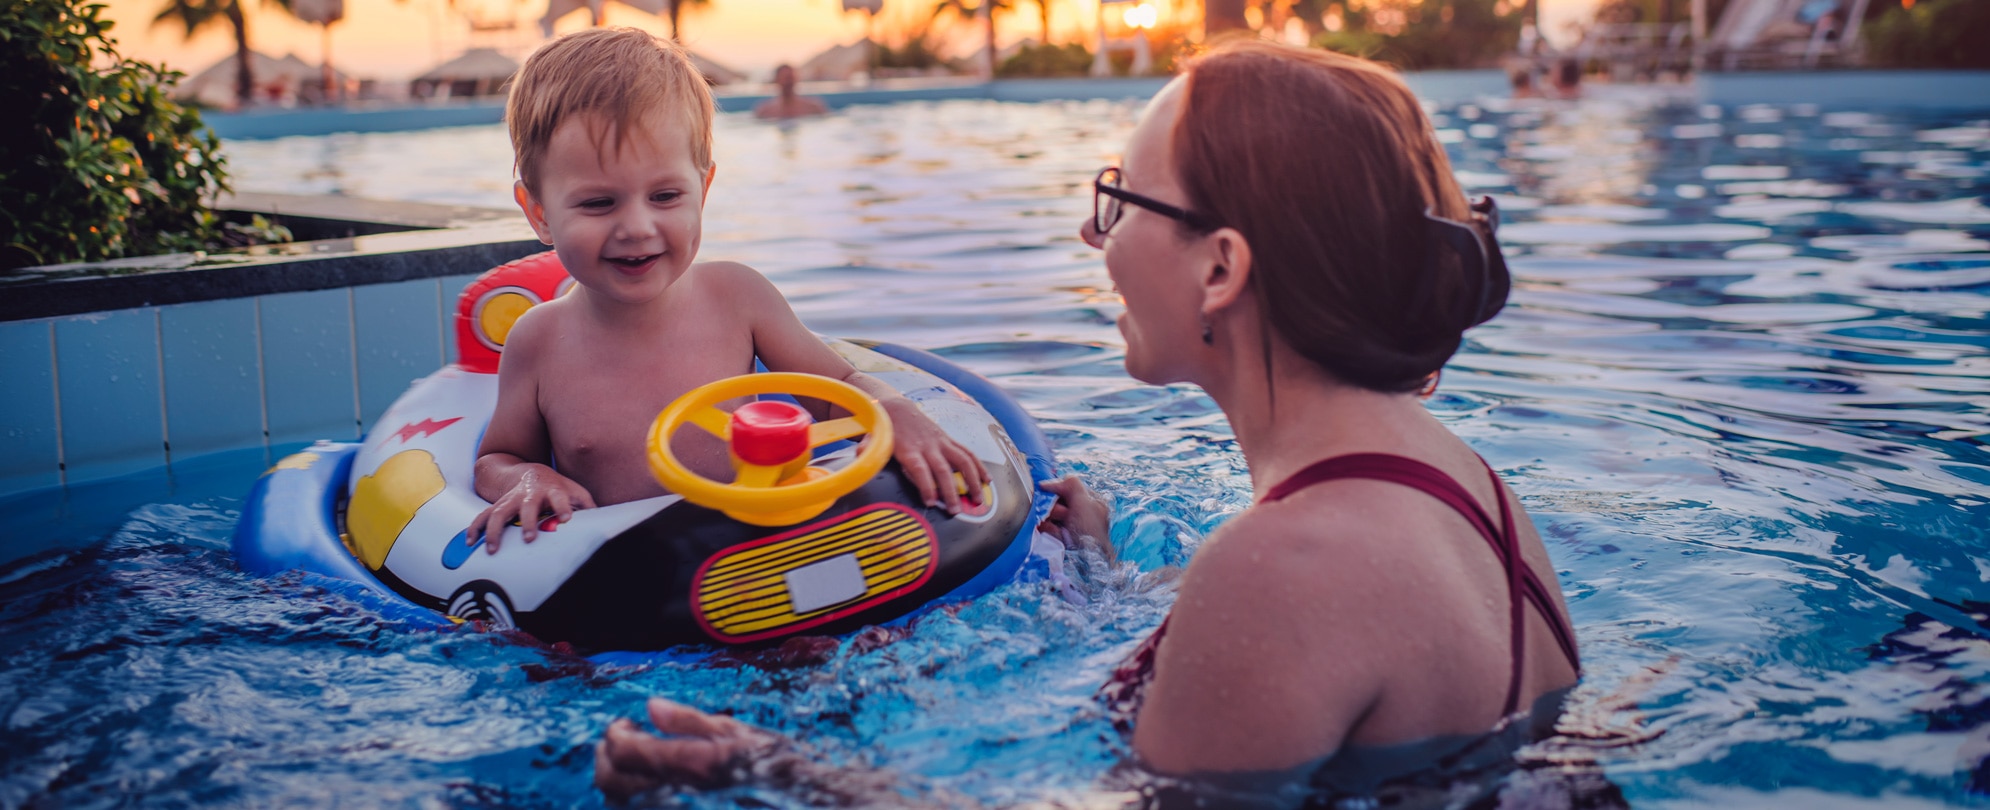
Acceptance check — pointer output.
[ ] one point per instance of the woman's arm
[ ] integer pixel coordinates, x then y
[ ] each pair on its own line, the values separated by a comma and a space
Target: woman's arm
714, 751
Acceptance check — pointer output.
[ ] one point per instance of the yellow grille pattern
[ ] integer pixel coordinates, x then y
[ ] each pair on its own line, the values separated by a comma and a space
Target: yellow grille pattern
742, 594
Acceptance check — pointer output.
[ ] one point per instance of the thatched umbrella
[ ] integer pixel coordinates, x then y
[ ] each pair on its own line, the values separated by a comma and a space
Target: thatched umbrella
276, 80
477, 72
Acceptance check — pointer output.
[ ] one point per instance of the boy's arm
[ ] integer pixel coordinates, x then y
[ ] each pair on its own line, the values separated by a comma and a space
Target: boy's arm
509, 472
927, 454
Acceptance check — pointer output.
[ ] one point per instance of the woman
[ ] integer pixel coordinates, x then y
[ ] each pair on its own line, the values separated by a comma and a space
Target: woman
1287, 234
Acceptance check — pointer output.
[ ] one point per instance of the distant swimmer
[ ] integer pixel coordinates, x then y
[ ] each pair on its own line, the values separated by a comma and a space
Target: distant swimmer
788, 104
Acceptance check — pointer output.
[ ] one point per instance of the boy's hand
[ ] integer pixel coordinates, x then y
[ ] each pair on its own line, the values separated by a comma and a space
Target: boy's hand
930, 457
539, 489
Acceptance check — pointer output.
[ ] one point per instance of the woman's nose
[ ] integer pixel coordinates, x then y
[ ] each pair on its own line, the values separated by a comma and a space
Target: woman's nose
1090, 233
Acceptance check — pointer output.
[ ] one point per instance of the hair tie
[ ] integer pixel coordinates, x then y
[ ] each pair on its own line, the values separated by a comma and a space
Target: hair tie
1477, 246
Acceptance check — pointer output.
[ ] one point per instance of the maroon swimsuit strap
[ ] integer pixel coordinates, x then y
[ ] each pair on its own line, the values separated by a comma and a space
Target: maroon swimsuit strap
1522, 585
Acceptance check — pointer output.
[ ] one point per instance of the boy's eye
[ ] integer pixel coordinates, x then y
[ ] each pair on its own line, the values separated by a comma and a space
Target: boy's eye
666, 196
598, 202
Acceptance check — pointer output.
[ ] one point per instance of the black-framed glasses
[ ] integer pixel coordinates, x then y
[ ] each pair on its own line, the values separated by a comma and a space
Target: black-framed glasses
1109, 199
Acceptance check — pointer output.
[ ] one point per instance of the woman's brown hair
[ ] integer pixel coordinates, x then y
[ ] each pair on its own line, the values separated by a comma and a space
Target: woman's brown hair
1327, 166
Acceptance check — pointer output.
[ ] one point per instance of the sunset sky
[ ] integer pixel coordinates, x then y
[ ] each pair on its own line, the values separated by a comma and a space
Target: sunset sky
397, 39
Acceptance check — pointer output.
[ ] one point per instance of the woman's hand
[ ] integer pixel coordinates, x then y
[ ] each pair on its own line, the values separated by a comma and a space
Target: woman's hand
1079, 516
537, 488
702, 751
930, 457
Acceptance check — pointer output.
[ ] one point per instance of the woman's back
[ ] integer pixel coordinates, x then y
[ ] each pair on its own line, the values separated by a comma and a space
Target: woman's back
1356, 611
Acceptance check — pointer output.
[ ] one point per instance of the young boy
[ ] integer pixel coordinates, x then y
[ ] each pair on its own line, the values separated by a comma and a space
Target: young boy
612, 129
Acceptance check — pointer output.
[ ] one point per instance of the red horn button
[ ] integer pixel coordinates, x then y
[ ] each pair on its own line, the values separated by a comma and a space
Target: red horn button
769, 433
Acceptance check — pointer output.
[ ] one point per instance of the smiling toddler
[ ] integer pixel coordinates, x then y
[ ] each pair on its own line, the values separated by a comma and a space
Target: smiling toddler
612, 131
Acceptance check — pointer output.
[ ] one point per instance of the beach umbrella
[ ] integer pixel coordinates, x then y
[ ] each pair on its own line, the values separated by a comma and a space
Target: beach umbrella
323, 13
478, 71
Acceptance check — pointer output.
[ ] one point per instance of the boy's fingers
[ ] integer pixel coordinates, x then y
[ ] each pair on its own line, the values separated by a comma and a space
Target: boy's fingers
528, 517
970, 469
944, 477
476, 528
494, 530
915, 469
562, 508
583, 500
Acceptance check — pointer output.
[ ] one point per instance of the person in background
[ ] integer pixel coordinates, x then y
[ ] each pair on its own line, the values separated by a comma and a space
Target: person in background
788, 104
1385, 604
1568, 78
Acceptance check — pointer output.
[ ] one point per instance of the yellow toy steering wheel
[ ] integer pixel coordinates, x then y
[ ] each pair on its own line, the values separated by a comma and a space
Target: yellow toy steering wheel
770, 442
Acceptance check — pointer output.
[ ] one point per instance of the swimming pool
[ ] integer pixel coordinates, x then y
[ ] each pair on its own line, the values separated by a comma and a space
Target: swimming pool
1742, 387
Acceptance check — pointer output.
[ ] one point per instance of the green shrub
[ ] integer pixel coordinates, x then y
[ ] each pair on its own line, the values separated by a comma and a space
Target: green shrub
1429, 34
1070, 59
96, 162
919, 51
1932, 34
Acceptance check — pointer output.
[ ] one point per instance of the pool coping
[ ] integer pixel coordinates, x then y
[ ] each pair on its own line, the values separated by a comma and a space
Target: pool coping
384, 241
1439, 85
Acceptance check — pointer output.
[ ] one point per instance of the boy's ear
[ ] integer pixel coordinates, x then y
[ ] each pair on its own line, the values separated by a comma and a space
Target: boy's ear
710, 172
534, 212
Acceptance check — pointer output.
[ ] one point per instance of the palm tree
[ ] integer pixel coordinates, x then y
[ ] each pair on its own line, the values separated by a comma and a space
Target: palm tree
674, 5
1223, 15
1043, 9
197, 15
971, 11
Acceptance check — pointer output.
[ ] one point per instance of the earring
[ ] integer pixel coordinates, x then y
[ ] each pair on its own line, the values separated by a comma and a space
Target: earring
1208, 335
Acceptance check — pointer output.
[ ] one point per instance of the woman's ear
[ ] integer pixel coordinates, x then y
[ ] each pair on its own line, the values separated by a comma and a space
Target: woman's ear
534, 212
1229, 273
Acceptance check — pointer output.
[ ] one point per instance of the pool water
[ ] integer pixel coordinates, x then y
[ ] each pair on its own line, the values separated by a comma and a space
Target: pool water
1743, 388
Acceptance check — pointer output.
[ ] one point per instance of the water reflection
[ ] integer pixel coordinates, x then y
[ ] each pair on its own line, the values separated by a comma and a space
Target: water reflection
1744, 388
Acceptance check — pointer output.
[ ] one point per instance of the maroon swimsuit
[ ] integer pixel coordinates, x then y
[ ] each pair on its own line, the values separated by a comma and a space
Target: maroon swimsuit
1125, 689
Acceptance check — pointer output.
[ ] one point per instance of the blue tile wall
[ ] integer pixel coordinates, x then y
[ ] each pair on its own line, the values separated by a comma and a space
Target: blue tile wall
308, 366
108, 374
452, 289
214, 397
29, 456
398, 327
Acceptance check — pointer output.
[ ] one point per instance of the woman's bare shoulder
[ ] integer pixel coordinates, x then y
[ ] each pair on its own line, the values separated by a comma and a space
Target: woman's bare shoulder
1322, 551
1278, 602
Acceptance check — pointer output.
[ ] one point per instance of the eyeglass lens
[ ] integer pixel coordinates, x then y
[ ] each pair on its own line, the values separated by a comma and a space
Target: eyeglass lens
1105, 207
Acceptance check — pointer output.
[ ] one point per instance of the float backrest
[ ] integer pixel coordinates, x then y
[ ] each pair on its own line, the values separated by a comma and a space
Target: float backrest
488, 307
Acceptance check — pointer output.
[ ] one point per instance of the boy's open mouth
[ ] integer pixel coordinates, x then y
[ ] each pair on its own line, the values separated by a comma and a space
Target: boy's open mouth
634, 265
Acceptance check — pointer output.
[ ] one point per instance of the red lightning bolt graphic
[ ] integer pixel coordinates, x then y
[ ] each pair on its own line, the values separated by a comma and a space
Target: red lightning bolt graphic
425, 427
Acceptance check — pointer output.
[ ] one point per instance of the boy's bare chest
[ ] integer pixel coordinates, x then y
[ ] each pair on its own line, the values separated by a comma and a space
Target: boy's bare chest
599, 400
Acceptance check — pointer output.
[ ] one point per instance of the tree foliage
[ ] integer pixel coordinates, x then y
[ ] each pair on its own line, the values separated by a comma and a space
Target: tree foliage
1069, 59
1427, 34
1931, 34
96, 162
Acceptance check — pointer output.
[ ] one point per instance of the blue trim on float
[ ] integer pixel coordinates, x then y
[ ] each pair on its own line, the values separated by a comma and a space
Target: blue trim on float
270, 538
1023, 433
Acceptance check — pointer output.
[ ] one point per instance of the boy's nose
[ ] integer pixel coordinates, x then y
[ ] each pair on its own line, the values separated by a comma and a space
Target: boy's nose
636, 225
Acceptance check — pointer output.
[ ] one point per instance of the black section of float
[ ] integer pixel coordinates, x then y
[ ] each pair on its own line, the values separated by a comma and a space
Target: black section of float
635, 592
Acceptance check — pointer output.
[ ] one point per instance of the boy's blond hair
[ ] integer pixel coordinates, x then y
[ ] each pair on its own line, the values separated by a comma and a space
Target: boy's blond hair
621, 74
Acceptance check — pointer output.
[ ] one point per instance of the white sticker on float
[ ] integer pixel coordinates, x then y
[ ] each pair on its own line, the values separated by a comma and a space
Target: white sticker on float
833, 581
